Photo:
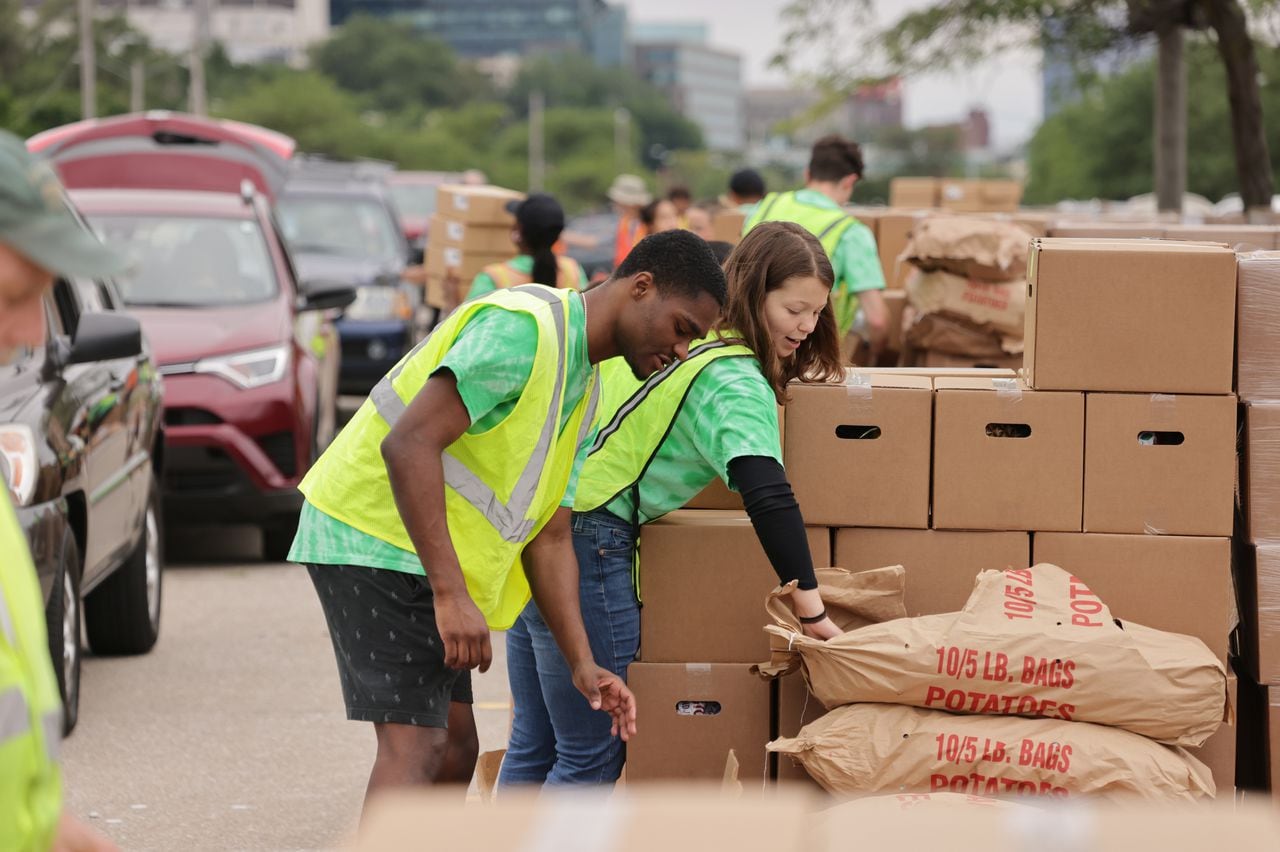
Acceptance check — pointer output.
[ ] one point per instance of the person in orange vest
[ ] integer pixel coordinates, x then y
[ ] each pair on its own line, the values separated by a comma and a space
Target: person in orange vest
628, 194
539, 221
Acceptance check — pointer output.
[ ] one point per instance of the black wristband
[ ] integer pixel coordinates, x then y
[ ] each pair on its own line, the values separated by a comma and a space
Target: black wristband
812, 619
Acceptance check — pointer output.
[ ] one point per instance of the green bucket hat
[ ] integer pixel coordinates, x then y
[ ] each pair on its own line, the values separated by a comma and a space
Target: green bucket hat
36, 220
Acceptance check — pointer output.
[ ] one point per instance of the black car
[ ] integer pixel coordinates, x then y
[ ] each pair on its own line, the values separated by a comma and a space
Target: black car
80, 432
341, 226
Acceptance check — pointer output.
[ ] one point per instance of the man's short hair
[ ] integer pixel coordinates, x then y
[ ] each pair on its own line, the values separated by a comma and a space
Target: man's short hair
834, 158
747, 184
679, 192
681, 263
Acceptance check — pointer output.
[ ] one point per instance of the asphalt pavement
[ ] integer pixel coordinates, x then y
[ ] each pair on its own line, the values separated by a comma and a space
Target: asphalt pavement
231, 733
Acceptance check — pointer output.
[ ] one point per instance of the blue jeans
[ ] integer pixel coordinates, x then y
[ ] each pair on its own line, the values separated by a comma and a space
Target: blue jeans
556, 738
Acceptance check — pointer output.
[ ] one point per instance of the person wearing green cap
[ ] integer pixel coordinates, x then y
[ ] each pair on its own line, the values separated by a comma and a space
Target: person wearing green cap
39, 238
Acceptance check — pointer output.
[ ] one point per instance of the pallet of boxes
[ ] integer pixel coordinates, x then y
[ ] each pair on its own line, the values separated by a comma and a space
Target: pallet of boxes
470, 230
1064, 542
1258, 551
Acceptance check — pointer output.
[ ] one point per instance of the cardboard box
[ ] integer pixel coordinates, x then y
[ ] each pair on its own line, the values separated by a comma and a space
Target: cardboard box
703, 580
1108, 230
893, 231
1175, 583
1260, 485
946, 372
1238, 237
674, 817
733, 712
797, 707
896, 303
1219, 751
1258, 327
1258, 572
940, 565
1006, 457
445, 259
1159, 464
727, 225
857, 454
1126, 315
979, 196
473, 238
915, 192
476, 204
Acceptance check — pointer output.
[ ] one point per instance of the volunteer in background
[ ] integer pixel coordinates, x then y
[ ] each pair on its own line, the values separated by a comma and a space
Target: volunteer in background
835, 165
712, 415
698, 220
628, 194
38, 238
746, 188
411, 542
658, 216
539, 222
681, 199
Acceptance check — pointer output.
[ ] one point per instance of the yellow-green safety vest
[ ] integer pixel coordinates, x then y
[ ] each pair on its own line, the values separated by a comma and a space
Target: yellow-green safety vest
501, 486
828, 225
637, 417
30, 709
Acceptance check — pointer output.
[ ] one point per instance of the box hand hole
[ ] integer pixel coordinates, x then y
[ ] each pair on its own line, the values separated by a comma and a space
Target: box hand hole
1008, 430
853, 432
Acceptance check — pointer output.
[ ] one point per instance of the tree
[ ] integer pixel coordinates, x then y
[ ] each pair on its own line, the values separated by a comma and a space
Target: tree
946, 33
1102, 146
573, 80
397, 68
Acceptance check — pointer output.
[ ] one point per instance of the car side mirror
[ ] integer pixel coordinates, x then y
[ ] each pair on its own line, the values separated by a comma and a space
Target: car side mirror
325, 296
105, 337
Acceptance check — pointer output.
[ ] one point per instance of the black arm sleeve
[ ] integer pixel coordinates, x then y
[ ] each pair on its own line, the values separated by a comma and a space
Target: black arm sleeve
776, 516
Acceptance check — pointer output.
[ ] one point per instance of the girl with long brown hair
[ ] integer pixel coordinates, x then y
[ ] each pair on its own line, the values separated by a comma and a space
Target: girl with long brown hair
662, 440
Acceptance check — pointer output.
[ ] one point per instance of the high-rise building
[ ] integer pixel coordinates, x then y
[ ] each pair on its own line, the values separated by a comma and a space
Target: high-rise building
248, 30
779, 129
485, 28
703, 83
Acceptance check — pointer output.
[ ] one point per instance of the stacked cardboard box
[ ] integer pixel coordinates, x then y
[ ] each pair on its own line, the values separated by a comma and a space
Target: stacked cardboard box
703, 580
1258, 554
1113, 459
470, 230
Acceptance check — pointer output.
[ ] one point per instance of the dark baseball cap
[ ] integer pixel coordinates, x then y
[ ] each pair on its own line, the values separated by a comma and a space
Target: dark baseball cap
538, 214
36, 221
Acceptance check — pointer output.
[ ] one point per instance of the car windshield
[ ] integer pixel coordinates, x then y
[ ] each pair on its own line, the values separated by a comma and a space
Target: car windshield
417, 200
346, 226
190, 262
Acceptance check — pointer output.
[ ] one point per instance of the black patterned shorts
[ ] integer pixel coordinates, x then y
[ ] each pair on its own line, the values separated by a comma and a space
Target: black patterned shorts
390, 657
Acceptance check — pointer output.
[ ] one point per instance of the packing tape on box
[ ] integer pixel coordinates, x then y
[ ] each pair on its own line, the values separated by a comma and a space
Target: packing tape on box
698, 677
1007, 389
1164, 408
857, 385
1164, 413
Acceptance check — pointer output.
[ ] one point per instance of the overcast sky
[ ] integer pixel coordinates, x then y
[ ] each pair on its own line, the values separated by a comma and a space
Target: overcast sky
1009, 87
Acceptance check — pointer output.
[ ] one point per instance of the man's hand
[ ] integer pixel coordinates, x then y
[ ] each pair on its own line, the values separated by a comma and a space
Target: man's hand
464, 632
75, 836
605, 691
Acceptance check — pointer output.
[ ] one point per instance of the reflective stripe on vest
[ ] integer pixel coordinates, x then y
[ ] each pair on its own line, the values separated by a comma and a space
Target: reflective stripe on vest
829, 226
609, 471
504, 275
15, 715
509, 519
6, 620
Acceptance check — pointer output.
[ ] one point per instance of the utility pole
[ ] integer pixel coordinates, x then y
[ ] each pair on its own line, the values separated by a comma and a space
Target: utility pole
537, 152
137, 87
1171, 120
198, 95
621, 139
88, 62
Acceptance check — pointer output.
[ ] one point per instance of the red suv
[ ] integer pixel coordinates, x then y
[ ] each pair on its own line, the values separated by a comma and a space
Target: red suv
248, 357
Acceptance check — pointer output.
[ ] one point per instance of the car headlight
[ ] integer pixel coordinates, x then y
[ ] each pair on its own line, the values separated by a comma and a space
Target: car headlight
19, 468
248, 369
382, 302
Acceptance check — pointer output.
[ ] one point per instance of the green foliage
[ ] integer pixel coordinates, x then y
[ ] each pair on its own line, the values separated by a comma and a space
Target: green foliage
1102, 146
